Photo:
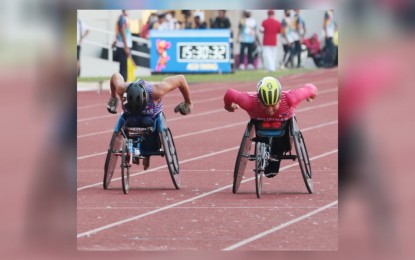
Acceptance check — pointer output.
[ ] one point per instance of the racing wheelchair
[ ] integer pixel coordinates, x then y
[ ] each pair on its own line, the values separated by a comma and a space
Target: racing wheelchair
262, 139
126, 142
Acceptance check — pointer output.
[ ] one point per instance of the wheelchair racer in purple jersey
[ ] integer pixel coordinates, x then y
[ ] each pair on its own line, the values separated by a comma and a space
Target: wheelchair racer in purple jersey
142, 100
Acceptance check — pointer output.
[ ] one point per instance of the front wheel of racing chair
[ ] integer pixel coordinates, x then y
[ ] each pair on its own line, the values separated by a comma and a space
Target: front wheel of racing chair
243, 157
125, 167
260, 160
302, 155
111, 160
170, 152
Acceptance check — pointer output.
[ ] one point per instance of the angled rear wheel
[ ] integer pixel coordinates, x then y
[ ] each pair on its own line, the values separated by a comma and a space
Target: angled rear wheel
303, 160
171, 156
243, 157
114, 150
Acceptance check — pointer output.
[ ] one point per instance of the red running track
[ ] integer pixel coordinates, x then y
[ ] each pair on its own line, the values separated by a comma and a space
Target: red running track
204, 214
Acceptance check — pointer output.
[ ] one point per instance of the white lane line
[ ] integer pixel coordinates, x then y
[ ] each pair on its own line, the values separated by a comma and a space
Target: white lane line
318, 126
96, 133
212, 170
197, 90
319, 106
164, 166
169, 120
90, 106
210, 130
207, 113
328, 91
169, 106
214, 129
165, 107
286, 224
96, 117
191, 159
90, 155
173, 95
118, 223
194, 207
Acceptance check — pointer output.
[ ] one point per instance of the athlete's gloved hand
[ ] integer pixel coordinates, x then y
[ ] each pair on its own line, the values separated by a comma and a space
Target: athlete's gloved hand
232, 107
183, 108
112, 105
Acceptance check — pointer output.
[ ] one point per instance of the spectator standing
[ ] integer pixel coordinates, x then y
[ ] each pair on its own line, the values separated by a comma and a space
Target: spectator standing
81, 32
162, 23
298, 33
123, 43
201, 14
336, 44
187, 24
329, 29
270, 28
221, 21
153, 20
171, 20
287, 41
246, 36
145, 30
199, 24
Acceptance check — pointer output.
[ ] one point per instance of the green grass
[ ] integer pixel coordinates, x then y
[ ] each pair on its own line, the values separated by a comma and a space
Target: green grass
238, 76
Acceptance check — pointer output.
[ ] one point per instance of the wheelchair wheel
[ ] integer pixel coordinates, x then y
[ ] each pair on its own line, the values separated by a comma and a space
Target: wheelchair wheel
259, 167
125, 168
111, 160
243, 157
303, 160
171, 156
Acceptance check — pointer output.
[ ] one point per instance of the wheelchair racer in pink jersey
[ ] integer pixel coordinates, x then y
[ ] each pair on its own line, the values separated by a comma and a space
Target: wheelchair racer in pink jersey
271, 105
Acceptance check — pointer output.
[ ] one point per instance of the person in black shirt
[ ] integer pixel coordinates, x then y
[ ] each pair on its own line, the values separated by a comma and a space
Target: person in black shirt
199, 24
221, 22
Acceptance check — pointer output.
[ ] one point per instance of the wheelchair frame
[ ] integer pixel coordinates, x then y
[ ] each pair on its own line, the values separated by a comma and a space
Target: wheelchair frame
124, 146
261, 155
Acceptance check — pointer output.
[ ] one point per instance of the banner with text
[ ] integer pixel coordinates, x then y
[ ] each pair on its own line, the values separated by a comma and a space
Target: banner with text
190, 51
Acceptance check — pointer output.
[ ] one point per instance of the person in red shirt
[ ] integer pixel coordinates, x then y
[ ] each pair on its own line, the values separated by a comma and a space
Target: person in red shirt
270, 28
313, 48
271, 105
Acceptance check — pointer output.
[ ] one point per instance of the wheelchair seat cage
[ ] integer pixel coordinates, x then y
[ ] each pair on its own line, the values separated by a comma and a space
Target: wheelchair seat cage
263, 139
127, 142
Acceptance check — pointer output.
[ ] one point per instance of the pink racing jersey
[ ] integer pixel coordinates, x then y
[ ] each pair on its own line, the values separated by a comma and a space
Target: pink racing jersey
249, 102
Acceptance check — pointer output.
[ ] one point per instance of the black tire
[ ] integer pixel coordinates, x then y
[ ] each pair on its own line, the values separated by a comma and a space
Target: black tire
259, 167
303, 160
171, 156
125, 168
111, 160
242, 158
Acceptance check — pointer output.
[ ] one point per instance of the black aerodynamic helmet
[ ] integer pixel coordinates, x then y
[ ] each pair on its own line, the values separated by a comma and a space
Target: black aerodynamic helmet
136, 98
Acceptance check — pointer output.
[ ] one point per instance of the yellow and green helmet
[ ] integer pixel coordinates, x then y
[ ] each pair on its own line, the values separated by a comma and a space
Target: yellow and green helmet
269, 91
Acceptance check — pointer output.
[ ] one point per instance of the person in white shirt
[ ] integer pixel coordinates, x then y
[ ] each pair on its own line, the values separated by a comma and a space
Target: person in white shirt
287, 40
171, 20
329, 29
247, 35
81, 32
162, 23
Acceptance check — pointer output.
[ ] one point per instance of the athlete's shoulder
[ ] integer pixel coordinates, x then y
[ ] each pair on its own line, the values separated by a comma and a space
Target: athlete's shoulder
252, 94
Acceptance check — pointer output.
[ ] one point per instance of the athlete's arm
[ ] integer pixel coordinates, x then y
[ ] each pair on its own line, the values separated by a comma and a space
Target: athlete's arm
308, 92
171, 83
234, 99
118, 85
